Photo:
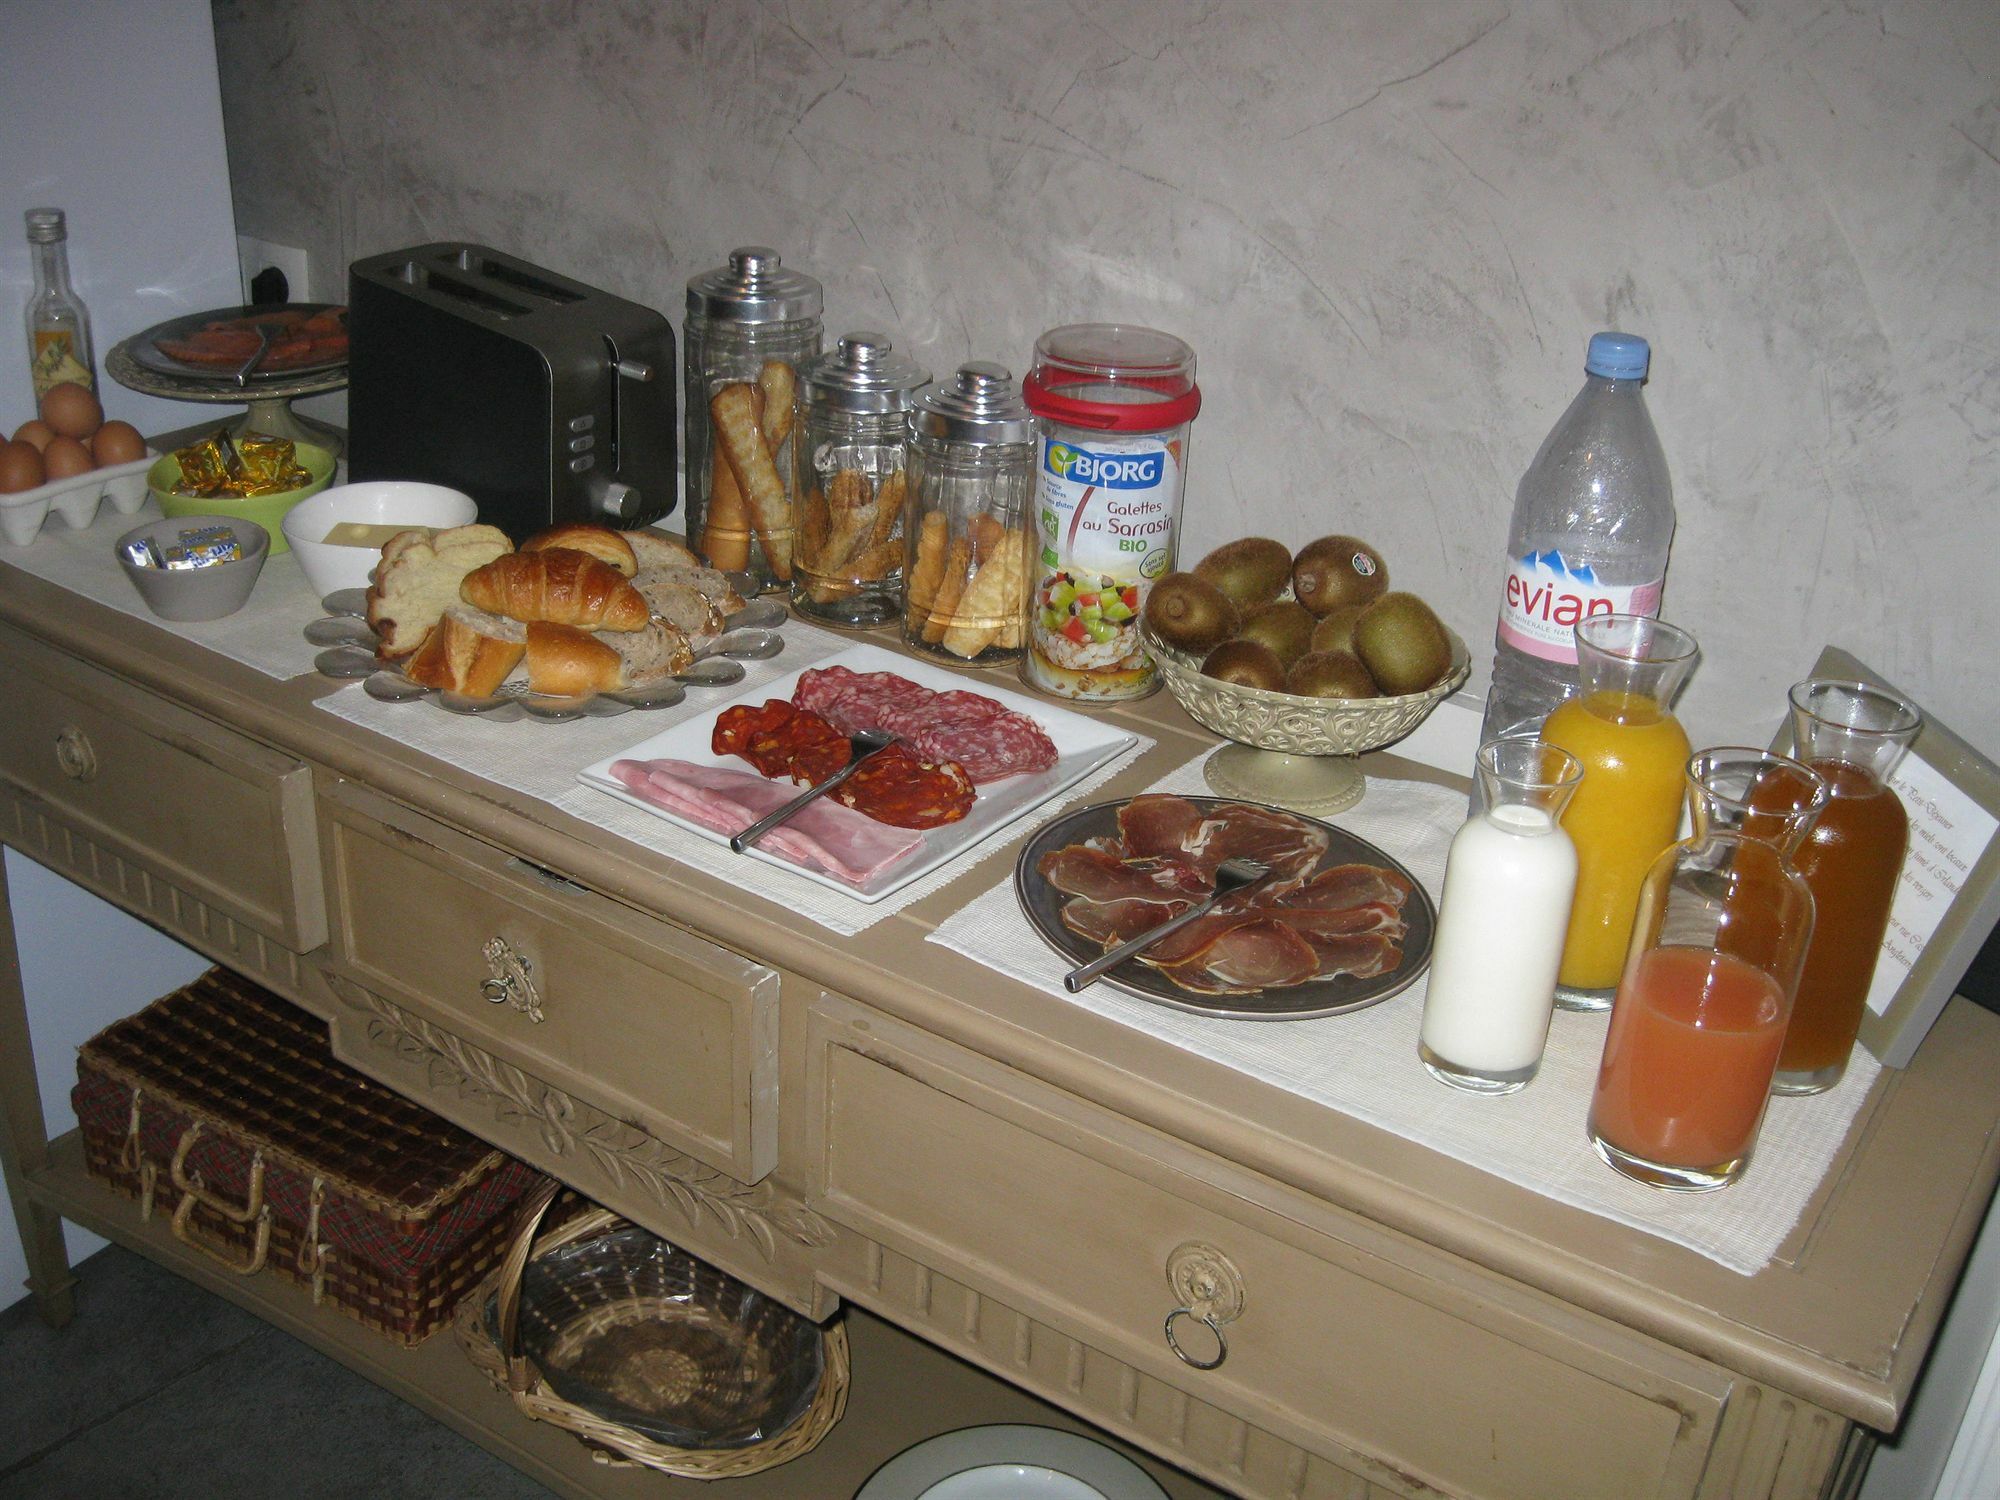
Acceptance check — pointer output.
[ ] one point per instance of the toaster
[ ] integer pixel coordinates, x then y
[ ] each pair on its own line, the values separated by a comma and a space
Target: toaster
544, 399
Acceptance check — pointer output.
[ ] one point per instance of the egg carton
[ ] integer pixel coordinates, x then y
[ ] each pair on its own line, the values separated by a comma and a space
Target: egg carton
75, 499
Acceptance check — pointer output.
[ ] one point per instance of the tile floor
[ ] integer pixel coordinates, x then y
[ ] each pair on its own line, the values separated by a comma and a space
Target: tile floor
159, 1390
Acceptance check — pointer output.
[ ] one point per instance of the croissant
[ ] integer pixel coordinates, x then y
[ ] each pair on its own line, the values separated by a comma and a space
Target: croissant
559, 586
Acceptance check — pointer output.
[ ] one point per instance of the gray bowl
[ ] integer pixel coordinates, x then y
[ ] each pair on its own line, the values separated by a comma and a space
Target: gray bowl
206, 593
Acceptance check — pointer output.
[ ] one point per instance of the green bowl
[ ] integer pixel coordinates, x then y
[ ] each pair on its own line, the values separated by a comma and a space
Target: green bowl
268, 511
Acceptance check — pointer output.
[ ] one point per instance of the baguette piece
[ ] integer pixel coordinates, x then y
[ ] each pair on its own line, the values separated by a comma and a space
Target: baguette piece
468, 651
558, 586
601, 542
419, 576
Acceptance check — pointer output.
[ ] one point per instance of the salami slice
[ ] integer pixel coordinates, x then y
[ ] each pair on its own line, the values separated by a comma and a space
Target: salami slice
816, 748
897, 787
992, 749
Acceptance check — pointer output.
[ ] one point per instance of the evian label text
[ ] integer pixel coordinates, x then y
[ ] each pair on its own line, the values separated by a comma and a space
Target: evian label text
1545, 598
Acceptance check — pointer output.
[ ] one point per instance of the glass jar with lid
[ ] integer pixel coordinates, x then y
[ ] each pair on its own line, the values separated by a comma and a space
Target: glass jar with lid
751, 326
855, 407
965, 547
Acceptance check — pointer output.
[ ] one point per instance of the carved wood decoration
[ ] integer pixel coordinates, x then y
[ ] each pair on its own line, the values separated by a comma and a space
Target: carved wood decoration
623, 1153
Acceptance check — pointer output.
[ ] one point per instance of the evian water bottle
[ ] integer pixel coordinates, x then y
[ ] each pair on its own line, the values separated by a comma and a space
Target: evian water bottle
1593, 519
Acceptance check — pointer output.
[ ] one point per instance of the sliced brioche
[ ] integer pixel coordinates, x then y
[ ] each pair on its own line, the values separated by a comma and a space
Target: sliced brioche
419, 576
468, 651
601, 542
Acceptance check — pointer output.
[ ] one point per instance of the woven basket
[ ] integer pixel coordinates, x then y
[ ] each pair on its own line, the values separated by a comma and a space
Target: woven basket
649, 1355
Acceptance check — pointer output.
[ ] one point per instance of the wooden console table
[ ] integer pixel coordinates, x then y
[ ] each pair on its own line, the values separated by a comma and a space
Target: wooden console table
982, 1168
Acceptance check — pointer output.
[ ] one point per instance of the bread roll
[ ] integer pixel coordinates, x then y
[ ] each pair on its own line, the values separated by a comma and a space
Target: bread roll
419, 576
601, 542
558, 586
570, 663
468, 651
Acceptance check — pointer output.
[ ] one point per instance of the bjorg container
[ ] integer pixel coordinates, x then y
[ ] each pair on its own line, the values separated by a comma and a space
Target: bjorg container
848, 564
1112, 406
751, 326
967, 541
1593, 519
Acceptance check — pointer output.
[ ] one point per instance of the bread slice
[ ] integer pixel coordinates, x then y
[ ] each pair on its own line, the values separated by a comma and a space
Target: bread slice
418, 578
673, 597
655, 549
468, 651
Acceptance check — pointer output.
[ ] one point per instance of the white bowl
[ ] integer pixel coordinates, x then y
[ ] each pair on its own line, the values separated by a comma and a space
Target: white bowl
331, 566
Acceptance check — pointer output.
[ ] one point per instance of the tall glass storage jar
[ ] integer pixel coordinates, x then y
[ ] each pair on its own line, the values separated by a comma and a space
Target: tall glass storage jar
965, 544
855, 404
751, 326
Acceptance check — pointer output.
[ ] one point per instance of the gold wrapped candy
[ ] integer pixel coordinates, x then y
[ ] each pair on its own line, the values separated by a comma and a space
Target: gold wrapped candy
221, 467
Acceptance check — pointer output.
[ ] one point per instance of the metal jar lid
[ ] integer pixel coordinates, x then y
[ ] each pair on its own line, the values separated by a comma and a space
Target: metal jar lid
981, 406
862, 373
754, 288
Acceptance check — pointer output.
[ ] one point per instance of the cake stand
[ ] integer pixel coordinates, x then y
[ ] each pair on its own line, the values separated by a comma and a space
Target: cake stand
268, 398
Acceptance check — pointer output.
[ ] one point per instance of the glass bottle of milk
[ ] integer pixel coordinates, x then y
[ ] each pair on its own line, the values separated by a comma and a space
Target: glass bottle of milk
1501, 921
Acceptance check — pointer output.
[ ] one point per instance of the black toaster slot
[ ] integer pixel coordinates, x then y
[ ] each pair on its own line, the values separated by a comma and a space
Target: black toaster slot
519, 280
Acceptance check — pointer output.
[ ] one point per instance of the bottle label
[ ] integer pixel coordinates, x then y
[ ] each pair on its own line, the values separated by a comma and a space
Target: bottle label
54, 361
1545, 597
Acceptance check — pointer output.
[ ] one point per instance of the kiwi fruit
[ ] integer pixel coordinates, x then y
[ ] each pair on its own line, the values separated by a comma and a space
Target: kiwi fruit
1191, 614
1403, 643
1336, 571
1330, 674
1334, 631
1283, 625
1247, 664
1252, 570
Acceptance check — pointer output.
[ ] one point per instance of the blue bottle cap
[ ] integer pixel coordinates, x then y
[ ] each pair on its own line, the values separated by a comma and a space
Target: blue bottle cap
1617, 356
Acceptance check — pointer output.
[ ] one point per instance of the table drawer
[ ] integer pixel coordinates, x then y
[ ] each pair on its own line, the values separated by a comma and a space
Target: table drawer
1404, 1366
217, 816
640, 1019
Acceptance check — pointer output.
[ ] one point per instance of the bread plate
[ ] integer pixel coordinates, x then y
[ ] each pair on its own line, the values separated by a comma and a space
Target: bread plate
1336, 995
1083, 745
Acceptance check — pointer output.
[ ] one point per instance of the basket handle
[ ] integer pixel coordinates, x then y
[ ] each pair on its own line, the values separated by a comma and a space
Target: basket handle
194, 1188
507, 1295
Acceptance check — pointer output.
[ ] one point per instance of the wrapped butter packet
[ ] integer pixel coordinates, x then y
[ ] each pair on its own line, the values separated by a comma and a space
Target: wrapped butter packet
219, 467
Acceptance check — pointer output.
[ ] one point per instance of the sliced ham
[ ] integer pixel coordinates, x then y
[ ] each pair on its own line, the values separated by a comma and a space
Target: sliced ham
839, 841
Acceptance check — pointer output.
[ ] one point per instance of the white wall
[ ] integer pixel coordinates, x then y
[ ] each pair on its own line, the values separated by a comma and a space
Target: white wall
112, 114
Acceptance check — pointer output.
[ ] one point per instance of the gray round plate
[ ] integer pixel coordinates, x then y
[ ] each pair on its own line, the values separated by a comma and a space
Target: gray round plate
1043, 904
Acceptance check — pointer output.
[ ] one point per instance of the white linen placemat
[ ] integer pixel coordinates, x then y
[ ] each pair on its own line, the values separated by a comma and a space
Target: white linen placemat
542, 760
267, 633
1365, 1064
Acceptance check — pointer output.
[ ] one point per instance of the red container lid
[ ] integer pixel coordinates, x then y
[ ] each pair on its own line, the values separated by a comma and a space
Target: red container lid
1112, 378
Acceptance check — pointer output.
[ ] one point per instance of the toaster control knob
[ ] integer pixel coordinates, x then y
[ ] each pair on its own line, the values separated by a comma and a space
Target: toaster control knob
620, 501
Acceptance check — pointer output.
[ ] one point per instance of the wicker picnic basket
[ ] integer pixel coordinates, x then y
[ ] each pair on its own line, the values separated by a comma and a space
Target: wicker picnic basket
222, 1105
649, 1355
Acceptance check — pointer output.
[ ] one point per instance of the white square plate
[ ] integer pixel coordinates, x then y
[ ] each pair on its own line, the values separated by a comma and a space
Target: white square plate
1082, 746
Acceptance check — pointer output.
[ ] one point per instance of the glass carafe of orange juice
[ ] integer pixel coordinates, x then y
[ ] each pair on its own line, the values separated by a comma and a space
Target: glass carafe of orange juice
1762, 795
1627, 810
1718, 938
1852, 734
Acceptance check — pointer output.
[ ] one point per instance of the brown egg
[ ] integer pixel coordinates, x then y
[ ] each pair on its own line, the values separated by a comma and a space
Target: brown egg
65, 458
71, 410
20, 467
117, 443
35, 431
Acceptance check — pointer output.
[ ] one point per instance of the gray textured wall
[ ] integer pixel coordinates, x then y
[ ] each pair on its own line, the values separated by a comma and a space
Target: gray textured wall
1387, 228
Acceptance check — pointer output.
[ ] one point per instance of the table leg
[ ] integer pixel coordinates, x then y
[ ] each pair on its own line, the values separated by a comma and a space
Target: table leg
24, 1140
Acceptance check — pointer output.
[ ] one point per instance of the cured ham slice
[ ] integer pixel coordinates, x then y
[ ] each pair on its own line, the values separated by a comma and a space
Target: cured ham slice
1306, 923
825, 836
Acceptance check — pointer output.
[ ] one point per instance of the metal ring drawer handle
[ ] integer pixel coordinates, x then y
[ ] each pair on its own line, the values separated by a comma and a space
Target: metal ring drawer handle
74, 755
511, 979
1207, 1320
1210, 1291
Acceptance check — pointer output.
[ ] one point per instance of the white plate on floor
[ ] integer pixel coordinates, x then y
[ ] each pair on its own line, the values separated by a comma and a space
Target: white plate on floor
1082, 746
1010, 1463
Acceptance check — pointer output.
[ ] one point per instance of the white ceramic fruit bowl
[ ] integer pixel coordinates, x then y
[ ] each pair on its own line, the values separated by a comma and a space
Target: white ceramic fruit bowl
1291, 751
